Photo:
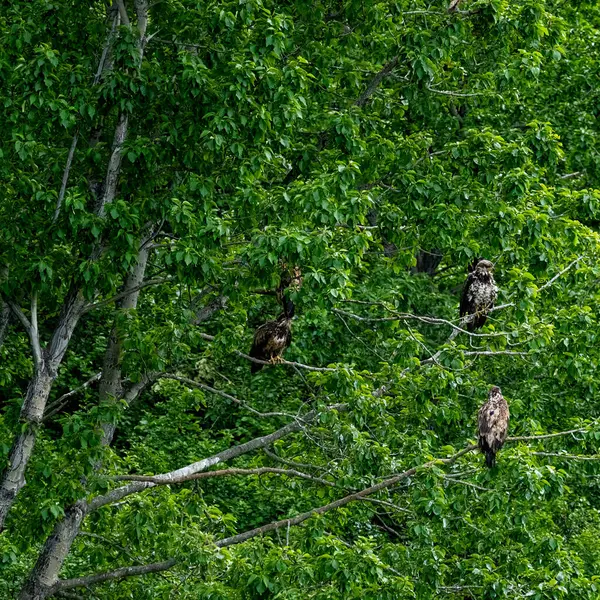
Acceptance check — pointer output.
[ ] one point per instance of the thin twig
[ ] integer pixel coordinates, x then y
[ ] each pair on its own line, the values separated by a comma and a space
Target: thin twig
567, 456
212, 390
549, 283
56, 405
117, 297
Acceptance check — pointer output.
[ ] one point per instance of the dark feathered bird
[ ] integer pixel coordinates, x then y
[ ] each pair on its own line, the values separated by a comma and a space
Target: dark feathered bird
272, 338
493, 425
479, 294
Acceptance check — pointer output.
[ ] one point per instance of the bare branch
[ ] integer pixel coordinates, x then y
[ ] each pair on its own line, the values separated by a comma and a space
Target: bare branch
34, 332
467, 483
384, 72
567, 456
20, 315
4, 320
549, 283
66, 584
122, 12
212, 390
457, 94
422, 319
226, 472
56, 405
65, 178
121, 295
494, 353
197, 467
386, 503
527, 438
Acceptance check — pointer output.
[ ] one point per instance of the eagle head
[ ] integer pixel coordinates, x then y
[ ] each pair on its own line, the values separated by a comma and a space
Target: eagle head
485, 265
495, 391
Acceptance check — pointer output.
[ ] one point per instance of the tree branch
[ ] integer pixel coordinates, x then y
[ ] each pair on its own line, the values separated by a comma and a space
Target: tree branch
20, 315
65, 178
422, 319
121, 295
567, 456
549, 283
34, 332
494, 353
298, 519
197, 467
384, 72
4, 320
122, 12
226, 472
56, 405
212, 390
67, 584
457, 94
527, 438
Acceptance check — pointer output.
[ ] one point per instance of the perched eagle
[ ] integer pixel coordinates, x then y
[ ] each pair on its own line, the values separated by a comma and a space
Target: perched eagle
479, 293
493, 425
272, 338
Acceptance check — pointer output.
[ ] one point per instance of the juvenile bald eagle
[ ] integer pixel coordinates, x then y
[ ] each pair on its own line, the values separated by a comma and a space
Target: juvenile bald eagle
479, 293
493, 425
272, 338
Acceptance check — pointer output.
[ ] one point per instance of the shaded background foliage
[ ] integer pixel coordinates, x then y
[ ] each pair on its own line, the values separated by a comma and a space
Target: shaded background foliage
353, 139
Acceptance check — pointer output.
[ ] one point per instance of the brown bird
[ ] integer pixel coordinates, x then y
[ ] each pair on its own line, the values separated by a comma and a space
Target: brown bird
273, 337
479, 294
493, 425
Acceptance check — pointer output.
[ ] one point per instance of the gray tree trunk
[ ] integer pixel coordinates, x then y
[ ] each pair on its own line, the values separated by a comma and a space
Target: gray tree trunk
57, 547
32, 411
4, 321
39, 584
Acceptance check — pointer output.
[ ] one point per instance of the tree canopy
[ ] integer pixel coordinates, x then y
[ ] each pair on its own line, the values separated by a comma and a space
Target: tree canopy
164, 165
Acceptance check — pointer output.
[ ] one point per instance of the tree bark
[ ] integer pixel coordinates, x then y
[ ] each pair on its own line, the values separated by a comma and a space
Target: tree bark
43, 576
110, 382
57, 547
13, 478
4, 320
32, 411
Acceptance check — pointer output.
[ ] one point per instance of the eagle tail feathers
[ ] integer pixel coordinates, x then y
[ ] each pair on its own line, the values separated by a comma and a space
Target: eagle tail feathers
255, 367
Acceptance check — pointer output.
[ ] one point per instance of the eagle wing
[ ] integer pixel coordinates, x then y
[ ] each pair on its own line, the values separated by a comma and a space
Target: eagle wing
466, 304
493, 423
261, 337
259, 344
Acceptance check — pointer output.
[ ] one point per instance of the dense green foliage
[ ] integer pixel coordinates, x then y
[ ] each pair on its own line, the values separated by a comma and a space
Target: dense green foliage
380, 146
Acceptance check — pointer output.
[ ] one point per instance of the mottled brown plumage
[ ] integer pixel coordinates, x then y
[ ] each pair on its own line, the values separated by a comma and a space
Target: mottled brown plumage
479, 294
493, 425
273, 337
